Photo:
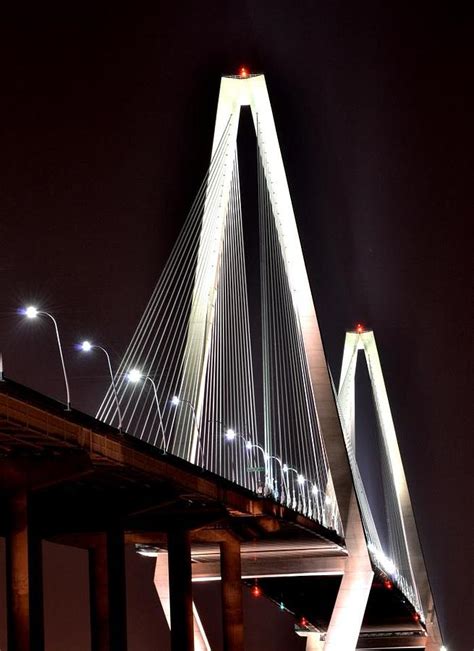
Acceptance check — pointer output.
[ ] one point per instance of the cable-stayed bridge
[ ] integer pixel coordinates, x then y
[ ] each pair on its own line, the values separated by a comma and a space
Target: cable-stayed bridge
263, 412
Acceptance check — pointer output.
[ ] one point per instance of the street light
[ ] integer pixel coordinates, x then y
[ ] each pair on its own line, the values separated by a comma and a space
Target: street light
283, 475
300, 479
230, 434
32, 312
249, 446
134, 376
86, 346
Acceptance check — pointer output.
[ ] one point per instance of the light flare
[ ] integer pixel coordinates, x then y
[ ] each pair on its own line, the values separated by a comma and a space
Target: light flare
134, 375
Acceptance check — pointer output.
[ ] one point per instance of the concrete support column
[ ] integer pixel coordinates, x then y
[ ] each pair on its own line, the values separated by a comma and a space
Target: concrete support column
108, 593
181, 598
24, 577
162, 585
231, 590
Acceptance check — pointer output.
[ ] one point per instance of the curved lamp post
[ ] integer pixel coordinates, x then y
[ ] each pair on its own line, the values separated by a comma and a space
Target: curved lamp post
249, 446
299, 478
32, 312
266, 458
134, 376
86, 346
283, 475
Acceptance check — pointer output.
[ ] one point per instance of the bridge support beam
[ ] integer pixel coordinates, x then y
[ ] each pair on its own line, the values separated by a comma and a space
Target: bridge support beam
24, 577
181, 598
231, 590
108, 592
346, 619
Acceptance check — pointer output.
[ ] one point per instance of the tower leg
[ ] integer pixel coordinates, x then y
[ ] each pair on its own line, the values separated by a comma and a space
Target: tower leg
435, 640
314, 643
24, 578
346, 619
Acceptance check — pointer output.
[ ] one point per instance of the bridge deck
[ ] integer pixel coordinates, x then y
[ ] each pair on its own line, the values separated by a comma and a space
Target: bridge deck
84, 475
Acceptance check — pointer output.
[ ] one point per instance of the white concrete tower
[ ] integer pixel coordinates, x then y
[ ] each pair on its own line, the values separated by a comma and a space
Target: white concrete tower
404, 558
251, 90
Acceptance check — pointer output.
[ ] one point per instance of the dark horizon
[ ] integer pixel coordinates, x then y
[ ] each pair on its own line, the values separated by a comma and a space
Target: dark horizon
106, 134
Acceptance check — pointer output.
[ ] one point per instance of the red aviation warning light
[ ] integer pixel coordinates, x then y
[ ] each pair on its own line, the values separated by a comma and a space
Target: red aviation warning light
243, 72
359, 328
415, 617
256, 590
303, 622
388, 584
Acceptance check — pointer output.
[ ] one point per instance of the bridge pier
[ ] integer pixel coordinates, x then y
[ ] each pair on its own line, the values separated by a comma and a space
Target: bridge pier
19, 477
24, 577
108, 592
180, 585
162, 586
231, 591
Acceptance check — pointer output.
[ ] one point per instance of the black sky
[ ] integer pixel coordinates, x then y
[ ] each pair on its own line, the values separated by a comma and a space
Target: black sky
106, 128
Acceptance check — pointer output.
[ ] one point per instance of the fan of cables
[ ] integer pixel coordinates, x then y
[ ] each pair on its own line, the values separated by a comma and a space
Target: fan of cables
186, 382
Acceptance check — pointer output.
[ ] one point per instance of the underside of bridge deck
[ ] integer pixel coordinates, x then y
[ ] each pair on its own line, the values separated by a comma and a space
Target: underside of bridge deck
82, 483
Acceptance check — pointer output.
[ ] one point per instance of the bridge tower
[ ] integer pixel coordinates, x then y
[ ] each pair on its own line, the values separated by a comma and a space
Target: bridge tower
193, 343
404, 551
251, 90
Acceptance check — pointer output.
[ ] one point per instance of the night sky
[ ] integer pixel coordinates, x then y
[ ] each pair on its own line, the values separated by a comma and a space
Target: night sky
106, 129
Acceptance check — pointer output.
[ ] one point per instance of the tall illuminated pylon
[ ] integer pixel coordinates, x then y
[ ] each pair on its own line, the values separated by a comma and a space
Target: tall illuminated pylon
251, 90
194, 341
404, 553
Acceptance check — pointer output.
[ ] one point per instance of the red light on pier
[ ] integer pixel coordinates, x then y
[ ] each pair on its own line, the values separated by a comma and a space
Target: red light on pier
243, 72
256, 590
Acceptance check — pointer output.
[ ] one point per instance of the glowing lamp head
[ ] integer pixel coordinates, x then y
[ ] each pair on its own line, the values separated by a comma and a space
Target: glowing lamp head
230, 434
359, 328
388, 585
416, 617
301, 480
134, 376
243, 72
314, 490
175, 401
86, 346
31, 312
285, 467
303, 621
